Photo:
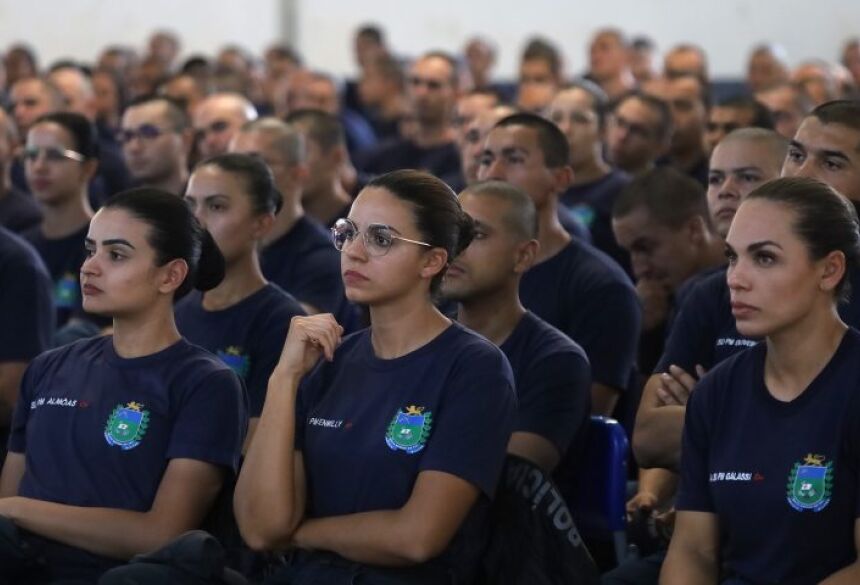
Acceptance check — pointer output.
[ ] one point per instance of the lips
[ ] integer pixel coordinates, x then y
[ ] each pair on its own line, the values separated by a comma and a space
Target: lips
40, 184
89, 290
352, 277
454, 271
741, 310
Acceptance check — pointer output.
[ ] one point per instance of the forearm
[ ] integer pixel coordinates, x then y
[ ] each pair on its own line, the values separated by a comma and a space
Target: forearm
662, 483
10, 381
374, 538
684, 566
603, 399
109, 532
266, 502
658, 431
850, 575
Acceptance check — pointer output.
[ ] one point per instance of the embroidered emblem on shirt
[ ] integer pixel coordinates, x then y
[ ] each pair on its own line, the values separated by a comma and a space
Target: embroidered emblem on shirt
235, 360
409, 429
810, 484
127, 425
66, 291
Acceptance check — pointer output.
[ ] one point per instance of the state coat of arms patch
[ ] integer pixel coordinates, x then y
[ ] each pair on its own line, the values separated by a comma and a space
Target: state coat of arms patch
810, 484
409, 429
127, 425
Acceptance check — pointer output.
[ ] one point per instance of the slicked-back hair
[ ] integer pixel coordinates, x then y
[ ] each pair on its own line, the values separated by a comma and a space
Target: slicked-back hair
670, 197
551, 140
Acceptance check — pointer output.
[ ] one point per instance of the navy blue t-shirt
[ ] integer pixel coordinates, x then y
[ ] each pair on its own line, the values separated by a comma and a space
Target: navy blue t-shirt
19, 212
592, 204
98, 430
247, 336
782, 477
304, 263
586, 295
368, 426
704, 332
442, 161
553, 382
27, 313
63, 257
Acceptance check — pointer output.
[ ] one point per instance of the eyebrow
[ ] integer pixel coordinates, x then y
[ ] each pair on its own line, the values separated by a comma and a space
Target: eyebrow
763, 244
514, 149
112, 242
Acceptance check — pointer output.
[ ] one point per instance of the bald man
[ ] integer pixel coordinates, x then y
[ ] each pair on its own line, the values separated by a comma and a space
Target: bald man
218, 118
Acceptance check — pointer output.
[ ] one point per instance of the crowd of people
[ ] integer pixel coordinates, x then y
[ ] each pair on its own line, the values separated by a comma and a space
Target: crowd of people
262, 324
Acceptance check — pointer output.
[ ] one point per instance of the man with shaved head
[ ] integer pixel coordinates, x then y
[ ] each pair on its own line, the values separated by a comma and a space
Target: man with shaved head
218, 118
31, 98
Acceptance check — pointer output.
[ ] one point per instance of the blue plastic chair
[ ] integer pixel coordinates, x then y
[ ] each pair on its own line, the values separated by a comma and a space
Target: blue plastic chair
599, 491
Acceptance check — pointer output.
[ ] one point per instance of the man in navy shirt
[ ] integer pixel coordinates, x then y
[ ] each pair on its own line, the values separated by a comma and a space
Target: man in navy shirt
323, 196
688, 100
298, 255
551, 372
432, 94
638, 128
573, 286
218, 118
27, 315
661, 218
19, 212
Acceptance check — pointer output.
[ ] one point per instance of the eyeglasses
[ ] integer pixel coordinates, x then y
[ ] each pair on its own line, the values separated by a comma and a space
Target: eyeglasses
145, 132
431, 84
216, 127
378, 237
51, 153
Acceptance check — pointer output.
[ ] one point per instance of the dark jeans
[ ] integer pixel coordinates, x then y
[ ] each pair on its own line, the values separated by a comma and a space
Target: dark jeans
321, 568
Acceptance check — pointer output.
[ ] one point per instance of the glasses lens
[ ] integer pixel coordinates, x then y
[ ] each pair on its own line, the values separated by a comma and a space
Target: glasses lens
148, 131
378, 239
31, 153
342, 232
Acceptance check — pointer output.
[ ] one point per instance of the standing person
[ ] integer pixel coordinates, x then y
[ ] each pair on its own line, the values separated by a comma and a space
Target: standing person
60, 158
381, 461
243, 320
772, 435
121, 443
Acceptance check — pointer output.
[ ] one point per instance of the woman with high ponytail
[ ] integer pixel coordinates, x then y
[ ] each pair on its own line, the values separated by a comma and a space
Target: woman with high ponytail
121, 443
377, 453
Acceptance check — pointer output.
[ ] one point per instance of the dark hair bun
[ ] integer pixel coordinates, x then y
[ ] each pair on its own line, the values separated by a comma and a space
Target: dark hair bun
211, 266
466, 229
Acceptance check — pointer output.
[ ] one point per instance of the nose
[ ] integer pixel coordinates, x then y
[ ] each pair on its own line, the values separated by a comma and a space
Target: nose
355, 249
807, 169
736, 277
728, 189
494, 171
90, 266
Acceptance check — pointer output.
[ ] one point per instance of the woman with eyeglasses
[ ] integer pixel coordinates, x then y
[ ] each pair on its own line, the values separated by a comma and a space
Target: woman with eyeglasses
377, 453
244, 320
60, 159
120, 444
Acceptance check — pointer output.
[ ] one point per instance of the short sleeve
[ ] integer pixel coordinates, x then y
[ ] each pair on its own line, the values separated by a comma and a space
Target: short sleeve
211, 422
609, 333
849, 449
691, 339
554, 398
26, 312
18, 429
310, 389
472, 428
266, 355
694, 491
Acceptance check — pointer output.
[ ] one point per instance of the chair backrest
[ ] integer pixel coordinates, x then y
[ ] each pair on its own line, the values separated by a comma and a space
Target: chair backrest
599, 491
533, 538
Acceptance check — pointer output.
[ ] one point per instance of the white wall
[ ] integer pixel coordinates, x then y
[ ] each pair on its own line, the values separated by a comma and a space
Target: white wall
726, 28
81, 28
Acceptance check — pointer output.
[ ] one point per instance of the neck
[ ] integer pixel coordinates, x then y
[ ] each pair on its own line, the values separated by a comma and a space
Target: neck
430, 135
712, 255
66, 217
392, 106
404, 325
797, 354
687, 159
494, 315
242, 278
175, 183
287, 217
324, 204
591, 170
618, 85
142, 335
551, 235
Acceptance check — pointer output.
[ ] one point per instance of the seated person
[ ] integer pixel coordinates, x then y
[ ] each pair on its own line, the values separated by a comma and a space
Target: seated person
733, 113
381, 459
772, 434
243, 320
551, 372
120, 444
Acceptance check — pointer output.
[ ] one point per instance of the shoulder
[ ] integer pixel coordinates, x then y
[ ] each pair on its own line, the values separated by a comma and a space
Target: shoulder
81, 351
538, 340
278, 303
17, 253
731, 376
589, 266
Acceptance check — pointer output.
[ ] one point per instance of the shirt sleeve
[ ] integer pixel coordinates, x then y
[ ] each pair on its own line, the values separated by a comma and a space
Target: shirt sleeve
310, 388
609, 334
471, 430
27, 313
212, 421
694, 491
18, 429
554, 398
691, 339
266, 354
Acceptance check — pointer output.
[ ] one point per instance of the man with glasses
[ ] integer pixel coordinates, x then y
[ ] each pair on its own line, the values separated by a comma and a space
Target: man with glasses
637, 132
156, 139
218, 118
432, 93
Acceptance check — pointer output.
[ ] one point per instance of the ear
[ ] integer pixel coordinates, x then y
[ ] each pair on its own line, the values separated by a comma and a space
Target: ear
299, 174
171, 276
563, 177
695, 229
262, 224
526, 253
435, 260
89, 169
832, 270
187, 137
